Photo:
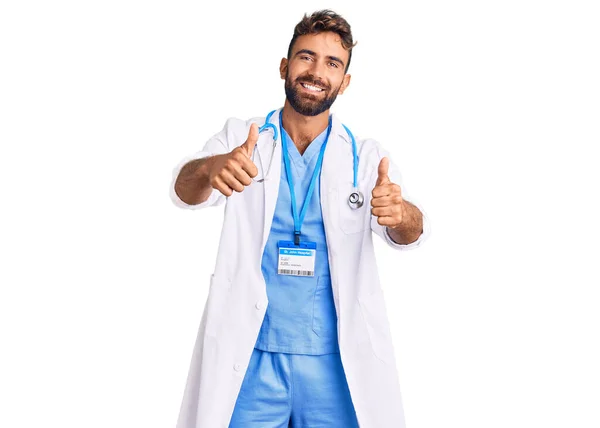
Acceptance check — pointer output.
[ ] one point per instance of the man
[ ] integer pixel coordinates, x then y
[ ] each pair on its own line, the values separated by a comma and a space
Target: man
295, 332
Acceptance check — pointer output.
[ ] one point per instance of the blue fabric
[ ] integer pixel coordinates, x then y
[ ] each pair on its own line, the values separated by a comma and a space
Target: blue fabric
298, 213
298, 391
301, 316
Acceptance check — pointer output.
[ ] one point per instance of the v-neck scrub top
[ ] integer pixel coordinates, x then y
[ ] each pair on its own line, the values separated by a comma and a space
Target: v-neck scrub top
301, 316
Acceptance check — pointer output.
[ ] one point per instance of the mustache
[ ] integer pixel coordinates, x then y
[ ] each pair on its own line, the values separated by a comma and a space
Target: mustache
313, 82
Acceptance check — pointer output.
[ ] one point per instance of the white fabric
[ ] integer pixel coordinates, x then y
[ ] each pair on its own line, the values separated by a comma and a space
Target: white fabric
237, 299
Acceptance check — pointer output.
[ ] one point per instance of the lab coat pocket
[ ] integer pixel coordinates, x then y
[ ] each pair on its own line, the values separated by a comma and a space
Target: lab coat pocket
352, 219
217, 305
375, 317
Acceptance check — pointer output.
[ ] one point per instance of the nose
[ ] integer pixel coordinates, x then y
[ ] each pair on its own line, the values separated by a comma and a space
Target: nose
317, 70
316, 76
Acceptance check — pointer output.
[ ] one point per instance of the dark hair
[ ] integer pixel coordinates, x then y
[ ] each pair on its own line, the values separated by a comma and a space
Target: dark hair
321, 21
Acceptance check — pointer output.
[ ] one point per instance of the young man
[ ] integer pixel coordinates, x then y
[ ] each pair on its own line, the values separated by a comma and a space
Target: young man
295, 331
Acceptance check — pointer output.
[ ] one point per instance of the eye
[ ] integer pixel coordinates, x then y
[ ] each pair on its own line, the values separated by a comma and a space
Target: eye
334, 64
305, 57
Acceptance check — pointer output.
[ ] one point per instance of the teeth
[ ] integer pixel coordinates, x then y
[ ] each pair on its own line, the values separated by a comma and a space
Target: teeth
312, 88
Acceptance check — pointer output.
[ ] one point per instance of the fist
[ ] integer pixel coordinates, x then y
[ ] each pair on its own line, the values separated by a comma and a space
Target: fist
234, 171
386, 202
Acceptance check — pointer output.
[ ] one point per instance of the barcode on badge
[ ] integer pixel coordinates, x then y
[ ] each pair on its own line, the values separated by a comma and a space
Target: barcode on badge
296, 272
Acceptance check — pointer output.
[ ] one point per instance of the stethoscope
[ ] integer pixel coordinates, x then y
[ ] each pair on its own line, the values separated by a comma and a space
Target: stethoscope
356, 198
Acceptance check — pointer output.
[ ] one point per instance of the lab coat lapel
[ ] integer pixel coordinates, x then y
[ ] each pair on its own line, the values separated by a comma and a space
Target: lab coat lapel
337, 161
271, 184
336, 168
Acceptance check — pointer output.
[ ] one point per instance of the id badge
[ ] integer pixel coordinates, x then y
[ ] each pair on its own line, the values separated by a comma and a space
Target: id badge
297, 260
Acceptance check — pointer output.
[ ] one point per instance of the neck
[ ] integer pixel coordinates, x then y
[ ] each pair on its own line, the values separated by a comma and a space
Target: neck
303, 129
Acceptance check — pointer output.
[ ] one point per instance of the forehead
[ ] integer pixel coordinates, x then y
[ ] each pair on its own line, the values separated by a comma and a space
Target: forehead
325, 44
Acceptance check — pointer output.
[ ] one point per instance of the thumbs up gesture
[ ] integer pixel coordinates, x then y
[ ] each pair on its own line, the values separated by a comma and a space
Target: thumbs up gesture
234, 171
250, 142
387, 203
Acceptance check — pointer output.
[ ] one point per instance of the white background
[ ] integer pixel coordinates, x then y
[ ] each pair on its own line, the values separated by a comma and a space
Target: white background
491, 109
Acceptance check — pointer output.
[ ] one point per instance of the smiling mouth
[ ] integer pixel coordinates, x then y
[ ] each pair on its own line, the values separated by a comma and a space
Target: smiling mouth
312, 88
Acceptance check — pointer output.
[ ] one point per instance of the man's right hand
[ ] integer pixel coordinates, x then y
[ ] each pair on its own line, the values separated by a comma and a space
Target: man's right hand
234, 170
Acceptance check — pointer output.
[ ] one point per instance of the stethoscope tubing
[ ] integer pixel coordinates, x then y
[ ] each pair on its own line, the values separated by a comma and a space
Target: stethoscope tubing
356, 198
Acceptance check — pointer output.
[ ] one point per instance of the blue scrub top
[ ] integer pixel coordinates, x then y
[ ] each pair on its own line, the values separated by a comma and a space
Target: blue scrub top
301, 316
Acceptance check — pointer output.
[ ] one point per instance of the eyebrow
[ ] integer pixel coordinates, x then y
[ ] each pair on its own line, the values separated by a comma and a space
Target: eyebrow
329, 57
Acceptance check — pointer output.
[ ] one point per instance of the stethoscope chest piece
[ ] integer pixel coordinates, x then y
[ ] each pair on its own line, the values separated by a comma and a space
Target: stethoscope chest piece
356, 199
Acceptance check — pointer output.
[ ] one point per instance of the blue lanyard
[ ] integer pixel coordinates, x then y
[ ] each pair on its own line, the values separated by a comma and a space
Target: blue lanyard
298, 220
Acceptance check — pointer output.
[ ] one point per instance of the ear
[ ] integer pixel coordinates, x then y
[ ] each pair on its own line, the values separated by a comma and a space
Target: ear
345, 83
283, 68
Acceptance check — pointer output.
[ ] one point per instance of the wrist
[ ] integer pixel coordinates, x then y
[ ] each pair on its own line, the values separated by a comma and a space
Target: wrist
202, 170
410, 226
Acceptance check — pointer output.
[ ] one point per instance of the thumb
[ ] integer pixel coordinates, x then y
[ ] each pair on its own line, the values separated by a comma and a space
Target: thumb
251, 140
382, 172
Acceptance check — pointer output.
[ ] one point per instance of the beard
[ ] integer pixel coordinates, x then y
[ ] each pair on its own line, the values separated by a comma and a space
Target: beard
307, 104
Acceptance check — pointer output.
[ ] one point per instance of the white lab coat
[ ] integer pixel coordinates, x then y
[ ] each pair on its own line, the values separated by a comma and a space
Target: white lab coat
237, 299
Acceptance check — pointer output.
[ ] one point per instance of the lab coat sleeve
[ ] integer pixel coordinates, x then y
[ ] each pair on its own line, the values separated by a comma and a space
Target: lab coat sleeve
216, 145
396, 177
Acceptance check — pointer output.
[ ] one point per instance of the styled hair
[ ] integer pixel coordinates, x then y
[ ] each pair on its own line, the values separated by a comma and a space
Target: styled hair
321, 21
